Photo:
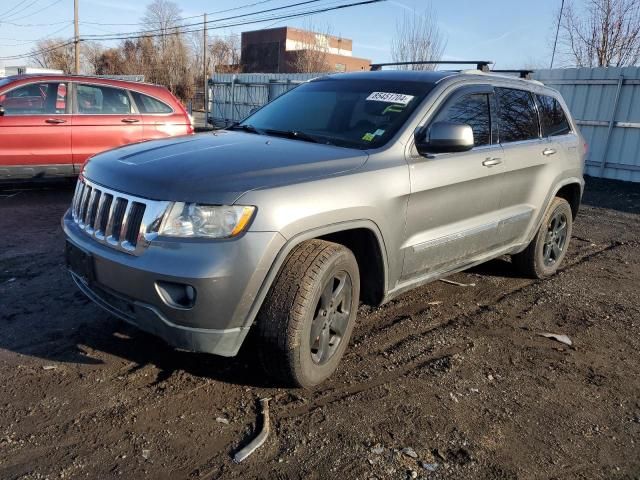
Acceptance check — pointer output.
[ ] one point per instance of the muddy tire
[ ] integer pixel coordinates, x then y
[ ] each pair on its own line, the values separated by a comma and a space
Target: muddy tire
545, 253
307, 318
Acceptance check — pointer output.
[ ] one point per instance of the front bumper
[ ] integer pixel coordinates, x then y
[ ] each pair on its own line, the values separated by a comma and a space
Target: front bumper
227, 276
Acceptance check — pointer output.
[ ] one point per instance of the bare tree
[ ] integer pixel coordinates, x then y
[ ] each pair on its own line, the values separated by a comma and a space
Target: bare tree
418, 37
602, 33
54, 53
91, 53
312, 46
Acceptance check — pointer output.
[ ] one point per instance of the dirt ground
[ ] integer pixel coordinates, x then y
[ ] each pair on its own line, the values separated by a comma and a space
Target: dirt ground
444, 382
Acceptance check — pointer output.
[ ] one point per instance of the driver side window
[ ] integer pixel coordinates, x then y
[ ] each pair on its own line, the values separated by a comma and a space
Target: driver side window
472, 110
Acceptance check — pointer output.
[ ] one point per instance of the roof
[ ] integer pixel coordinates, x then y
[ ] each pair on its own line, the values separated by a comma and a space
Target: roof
57, 76
430, 76
425, 76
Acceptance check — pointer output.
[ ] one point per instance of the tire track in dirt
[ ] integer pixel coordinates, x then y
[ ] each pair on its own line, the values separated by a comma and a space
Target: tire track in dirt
409, 341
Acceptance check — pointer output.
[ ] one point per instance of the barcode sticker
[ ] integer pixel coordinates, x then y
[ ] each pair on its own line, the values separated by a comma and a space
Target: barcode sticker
387, 97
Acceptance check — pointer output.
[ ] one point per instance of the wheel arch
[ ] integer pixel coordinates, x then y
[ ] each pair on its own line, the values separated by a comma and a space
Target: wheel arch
348, 234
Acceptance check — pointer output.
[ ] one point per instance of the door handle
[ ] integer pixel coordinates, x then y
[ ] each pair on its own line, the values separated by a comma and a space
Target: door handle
130, 120
548, 152
492, 162
55, 121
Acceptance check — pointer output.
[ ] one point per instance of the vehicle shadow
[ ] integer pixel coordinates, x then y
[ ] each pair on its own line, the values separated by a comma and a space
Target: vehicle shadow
498, 267
124, 341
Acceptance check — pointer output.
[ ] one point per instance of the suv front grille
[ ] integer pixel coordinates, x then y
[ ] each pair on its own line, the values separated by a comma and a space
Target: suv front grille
115, 219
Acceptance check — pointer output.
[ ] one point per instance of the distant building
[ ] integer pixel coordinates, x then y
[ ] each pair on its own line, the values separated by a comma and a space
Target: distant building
291, 50
22, 70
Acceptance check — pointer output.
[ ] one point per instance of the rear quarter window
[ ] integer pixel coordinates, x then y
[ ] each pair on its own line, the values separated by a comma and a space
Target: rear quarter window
552, 117
518, 119
147, 104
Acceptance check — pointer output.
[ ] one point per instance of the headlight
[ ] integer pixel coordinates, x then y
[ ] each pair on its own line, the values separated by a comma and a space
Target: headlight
209, 221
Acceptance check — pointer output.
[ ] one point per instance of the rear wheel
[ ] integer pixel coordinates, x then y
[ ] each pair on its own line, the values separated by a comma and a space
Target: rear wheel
547, 250
307, 318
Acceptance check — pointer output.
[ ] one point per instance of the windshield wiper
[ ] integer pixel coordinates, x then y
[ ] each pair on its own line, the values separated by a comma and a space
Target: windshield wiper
245, 128
296, 135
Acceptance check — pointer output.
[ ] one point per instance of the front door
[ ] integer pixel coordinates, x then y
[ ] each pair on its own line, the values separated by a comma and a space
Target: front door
35, 131
104, 118
455, 196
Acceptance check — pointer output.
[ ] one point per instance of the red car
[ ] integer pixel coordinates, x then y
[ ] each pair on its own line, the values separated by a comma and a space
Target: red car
51, 124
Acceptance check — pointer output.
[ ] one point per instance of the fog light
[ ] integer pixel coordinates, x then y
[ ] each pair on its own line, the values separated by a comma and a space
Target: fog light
176, 295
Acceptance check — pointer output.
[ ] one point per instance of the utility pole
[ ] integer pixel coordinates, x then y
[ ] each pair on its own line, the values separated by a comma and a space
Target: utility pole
204, 70
76, 41
555, 43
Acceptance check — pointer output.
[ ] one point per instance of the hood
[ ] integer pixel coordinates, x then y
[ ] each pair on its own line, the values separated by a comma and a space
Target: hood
216, 168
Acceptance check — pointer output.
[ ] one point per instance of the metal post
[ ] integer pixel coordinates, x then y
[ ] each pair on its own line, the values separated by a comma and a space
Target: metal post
232, 105
204, 70
76, 35
612, 121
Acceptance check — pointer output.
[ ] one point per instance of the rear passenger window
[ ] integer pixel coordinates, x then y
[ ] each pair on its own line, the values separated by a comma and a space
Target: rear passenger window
517, 115
99, 100
472, 110
147, 104
554, 121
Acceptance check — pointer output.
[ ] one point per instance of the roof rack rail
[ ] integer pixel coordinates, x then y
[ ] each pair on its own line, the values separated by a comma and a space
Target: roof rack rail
526, 74
482, 65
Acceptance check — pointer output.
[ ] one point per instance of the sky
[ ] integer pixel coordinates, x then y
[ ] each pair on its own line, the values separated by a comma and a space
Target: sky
512, 33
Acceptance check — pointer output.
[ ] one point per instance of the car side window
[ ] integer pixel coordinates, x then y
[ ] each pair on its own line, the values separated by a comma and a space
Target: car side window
472, 110
47, 98
147, 104
552, 117
517, 115
101, 100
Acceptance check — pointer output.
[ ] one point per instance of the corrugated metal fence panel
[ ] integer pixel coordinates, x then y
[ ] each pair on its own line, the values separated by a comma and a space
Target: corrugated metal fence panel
233, 96
591, 95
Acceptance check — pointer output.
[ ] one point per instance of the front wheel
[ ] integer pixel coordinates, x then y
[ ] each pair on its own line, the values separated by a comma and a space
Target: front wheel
306, 320
543, 255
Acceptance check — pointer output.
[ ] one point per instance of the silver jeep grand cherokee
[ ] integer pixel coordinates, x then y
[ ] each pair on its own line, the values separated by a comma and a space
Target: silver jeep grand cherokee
350, 188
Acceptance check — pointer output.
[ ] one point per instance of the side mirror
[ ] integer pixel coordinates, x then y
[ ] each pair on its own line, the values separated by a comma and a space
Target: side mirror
253, 110
1, 111
444, 137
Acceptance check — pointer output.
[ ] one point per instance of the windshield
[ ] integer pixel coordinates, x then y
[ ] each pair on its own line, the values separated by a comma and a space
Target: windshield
350, 113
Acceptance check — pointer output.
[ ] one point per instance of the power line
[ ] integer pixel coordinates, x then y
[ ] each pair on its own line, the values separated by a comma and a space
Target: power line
28, 25
236, 24
6, 12
25, 42
55, 2
23, 8
248, 22
182, 18
176, 27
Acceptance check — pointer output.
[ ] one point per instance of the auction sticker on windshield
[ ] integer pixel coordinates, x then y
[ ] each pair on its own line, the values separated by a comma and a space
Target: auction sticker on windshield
387, 97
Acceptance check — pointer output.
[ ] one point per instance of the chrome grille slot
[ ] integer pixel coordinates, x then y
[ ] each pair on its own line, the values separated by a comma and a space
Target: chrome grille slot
84, 203
103, 215
93, 209
115, 219
133, 225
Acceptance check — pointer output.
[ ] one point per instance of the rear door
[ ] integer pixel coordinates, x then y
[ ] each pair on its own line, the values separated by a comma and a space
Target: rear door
556, 129
160, 119
104, 118
529, 165
35, 131
451, 216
